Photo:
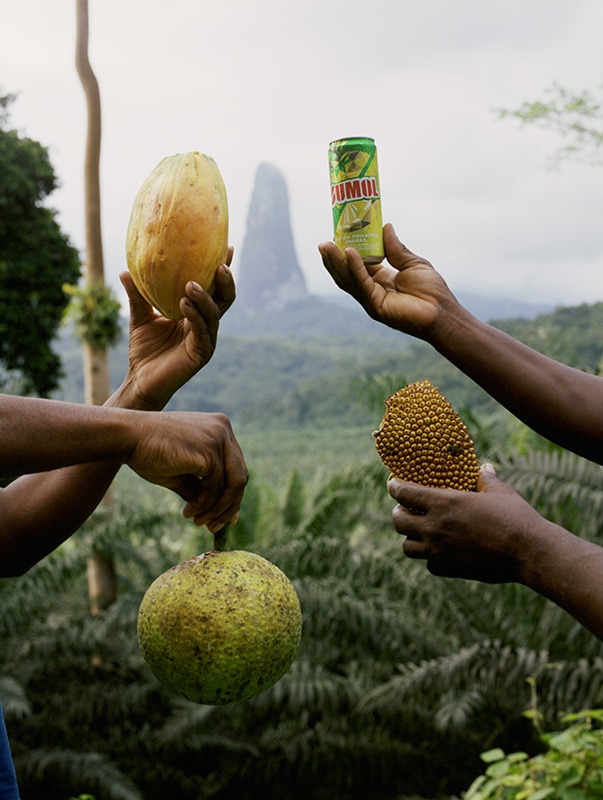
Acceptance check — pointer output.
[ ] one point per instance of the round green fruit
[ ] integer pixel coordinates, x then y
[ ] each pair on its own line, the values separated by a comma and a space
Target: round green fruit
221, 627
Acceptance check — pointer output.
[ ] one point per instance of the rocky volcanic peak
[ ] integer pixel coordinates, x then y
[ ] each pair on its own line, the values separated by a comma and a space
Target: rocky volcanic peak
269, 276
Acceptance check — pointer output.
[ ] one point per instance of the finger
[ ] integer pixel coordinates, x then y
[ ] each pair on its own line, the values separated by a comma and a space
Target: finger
488, 481
398, 254
335, 263
229, 255
187, 487
202, 314
214, 508
198, 495
393, 246
208, 488
415, 548
225, 290
350, 273
225, 501
215, 521
408, 523
411, 496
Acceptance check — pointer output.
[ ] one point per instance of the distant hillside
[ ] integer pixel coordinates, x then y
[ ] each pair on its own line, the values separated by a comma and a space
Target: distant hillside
339, 315
572, 334
489, 309
300, 369
308, 318
484, 308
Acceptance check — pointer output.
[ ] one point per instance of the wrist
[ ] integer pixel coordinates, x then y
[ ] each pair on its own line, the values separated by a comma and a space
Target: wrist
453, 324
129, 395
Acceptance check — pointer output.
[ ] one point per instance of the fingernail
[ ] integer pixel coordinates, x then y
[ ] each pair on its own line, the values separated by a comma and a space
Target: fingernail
488, 468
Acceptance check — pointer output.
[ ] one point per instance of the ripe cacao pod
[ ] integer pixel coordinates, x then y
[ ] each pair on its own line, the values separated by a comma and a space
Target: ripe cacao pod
178, 230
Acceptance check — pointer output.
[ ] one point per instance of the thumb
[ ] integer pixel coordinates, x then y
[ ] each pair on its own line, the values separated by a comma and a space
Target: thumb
140, 309
487, 478
397, 253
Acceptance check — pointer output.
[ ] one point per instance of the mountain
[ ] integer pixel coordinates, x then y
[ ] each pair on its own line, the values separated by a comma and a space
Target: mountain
340, 316
308, 318
269, 276
273, 299
488, 309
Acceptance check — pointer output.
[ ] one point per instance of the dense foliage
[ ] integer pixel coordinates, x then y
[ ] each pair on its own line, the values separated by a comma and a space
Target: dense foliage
402, 680
36, 259
571, 768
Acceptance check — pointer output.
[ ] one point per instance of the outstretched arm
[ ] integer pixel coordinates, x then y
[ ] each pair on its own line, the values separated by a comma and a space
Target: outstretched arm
195, 455
559, 402
38, 511
495, 536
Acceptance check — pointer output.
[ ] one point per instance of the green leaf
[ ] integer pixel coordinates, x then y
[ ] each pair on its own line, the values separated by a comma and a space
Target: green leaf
570, 777
573, 793
495, 754
498, 769
540, 794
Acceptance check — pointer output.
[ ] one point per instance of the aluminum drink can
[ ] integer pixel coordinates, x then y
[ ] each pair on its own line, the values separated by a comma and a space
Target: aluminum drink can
356, 197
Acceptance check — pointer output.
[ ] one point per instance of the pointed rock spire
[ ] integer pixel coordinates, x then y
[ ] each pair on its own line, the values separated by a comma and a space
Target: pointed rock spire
269, 275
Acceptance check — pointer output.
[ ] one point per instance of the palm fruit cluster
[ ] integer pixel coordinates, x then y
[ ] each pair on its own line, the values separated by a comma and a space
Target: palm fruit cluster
422, 439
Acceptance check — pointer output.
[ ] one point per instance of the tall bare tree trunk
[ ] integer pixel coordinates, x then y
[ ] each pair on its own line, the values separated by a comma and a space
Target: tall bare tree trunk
102, 583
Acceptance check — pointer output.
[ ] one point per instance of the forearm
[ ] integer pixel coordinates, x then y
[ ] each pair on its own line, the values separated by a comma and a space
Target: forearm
563, 404
51, 434
40, 511
568, 570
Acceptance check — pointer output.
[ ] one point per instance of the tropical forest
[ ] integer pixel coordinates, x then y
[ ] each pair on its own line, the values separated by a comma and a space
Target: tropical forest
402, 680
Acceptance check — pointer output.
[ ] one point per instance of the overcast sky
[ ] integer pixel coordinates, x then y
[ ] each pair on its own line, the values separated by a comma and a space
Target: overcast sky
248, 81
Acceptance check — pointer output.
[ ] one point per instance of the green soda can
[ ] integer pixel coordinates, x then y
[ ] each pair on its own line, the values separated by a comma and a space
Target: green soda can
356, 197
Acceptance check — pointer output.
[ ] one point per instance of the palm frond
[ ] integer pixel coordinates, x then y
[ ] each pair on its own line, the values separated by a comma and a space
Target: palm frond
25, 598
569, 686
499, 672
564, 487
373, 390
13, 698
294, 501
308, 687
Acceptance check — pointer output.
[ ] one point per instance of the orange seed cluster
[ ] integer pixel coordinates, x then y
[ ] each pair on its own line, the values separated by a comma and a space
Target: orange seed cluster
422, 439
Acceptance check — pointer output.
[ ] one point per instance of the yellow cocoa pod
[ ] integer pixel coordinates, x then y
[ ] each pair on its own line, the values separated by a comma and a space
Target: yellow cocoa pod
178, 230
